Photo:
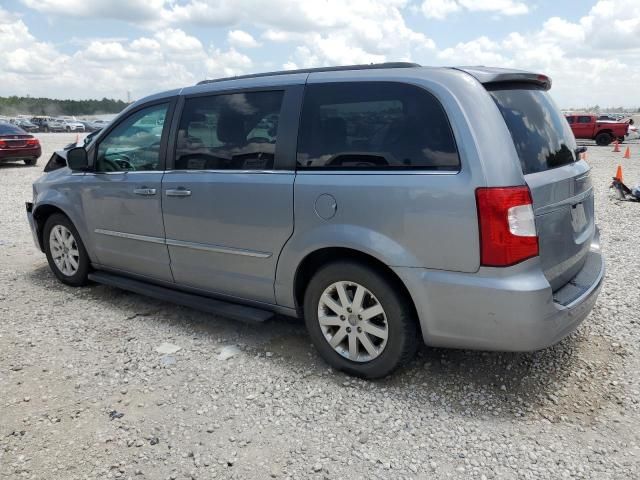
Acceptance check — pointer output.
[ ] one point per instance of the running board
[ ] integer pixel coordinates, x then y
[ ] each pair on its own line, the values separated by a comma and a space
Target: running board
233, 311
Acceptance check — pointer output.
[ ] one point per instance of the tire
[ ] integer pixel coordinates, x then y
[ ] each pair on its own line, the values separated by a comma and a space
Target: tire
603, 139
68, 129
76, 277
398, 318
46, 129
30, 161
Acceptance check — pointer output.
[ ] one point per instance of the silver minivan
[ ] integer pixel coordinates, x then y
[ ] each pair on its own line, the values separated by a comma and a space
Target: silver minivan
381, 203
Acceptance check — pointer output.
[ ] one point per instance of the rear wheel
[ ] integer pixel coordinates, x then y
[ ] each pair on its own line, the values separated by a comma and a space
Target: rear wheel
603, 139
30, 161
359, 321
65, 251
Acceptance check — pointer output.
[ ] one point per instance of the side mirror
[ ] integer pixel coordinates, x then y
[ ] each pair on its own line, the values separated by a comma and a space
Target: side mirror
77, 159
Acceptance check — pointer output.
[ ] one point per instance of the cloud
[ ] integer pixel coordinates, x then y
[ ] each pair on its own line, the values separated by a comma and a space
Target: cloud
592, 61
241, 39
333, 31
170, 58
440, 9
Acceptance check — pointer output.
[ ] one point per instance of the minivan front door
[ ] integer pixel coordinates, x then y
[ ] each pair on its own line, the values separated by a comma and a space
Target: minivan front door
228, 203
122, 197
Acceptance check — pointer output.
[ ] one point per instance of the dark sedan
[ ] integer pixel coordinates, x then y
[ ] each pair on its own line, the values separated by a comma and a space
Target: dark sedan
16, 144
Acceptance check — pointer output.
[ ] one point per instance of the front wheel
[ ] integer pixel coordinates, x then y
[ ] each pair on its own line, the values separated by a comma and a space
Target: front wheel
360, 321
65, 251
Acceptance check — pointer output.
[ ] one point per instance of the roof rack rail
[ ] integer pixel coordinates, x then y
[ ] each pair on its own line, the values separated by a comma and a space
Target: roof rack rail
371, 66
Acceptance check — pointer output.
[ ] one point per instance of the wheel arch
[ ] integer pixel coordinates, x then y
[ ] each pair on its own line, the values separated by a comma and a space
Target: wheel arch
41, 214
605, 130
316, 259
43, 211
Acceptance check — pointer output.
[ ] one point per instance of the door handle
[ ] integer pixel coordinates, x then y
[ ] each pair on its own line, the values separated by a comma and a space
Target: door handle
145, 191
179, 192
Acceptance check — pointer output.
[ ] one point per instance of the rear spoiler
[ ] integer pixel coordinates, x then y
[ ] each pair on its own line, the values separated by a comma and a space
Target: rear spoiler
492, 76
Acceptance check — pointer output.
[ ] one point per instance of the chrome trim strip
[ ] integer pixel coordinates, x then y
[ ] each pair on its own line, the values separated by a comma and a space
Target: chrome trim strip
126, 172
378, 172
179, 243
130, 236
217, 249
287, 172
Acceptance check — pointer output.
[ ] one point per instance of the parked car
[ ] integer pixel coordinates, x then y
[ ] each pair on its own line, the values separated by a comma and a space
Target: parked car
71, 125
447, 204
48, 124
85, 141
99, 124
610, 117
89, 126
587, 126
25, 124
17, 144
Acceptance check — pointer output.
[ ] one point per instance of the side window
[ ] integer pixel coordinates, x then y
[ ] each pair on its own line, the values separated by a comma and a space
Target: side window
135, 143
571, 120
584, 119
235, 131
374, 126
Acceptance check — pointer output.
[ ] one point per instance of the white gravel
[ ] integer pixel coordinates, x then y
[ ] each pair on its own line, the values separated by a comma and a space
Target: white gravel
85, 394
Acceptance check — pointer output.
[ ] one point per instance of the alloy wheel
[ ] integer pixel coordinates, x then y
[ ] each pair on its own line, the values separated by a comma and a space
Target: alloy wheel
353, 321
64, 250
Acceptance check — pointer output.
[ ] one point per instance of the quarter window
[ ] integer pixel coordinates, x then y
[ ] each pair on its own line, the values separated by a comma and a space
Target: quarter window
229, 132
135, 143
374, 126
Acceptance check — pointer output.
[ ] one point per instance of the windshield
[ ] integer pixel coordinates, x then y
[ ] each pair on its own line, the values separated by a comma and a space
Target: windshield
541, 135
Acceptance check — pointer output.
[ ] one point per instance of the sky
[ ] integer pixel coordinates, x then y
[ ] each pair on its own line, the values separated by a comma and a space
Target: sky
115, 48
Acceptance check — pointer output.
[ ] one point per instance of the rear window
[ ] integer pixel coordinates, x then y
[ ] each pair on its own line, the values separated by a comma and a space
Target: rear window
8, 129
541, 135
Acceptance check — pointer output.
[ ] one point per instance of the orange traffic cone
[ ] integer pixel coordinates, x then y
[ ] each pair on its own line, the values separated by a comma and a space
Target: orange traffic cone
627, 153
619, 174
583, 156
616, 146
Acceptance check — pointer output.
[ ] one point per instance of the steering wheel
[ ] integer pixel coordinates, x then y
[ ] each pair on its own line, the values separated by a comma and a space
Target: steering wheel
258, 140
122, 161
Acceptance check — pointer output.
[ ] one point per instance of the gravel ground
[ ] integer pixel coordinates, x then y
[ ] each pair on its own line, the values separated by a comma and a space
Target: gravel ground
84, 393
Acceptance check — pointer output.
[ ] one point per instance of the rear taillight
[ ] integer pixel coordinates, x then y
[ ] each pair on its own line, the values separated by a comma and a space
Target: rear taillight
3, 144
507, 226
32, 142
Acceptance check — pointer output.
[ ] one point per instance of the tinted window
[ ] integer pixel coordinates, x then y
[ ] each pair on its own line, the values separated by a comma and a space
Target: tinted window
229, 132
9, 129
571, 119
542, 137
584, 119
134, 144
374, 125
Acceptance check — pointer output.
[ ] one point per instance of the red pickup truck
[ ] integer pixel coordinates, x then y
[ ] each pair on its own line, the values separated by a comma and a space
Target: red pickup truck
602, 131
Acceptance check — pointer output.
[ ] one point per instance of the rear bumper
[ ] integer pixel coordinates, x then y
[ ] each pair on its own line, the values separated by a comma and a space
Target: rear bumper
510, 309
20, 153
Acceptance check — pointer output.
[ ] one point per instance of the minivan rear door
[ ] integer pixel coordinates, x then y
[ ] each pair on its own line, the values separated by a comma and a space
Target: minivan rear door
560, 183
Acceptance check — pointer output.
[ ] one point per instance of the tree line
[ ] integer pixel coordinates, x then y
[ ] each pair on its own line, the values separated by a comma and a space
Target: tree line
49, 106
